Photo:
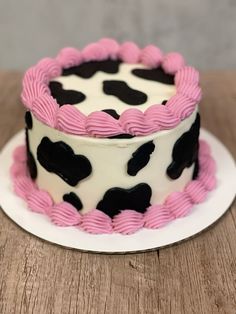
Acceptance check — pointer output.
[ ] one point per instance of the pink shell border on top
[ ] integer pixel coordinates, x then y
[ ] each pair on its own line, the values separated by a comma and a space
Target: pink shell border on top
36, 94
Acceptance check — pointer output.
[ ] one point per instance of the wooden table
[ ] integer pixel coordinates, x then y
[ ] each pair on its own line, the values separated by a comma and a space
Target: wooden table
196, 276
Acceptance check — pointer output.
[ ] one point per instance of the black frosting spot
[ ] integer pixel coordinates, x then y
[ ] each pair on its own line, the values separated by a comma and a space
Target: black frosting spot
28, 120
88, 69
64, 96
121, 90
185, 151
112, 113
164, 102
59, 158
157, 75
117, 199
31, 164
123, 135
196, 169
140, 158
73, 199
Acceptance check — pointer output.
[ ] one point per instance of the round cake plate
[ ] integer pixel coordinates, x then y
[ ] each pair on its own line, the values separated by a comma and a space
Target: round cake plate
201, 216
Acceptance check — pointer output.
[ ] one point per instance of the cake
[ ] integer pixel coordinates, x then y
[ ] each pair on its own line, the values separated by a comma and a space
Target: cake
112, 139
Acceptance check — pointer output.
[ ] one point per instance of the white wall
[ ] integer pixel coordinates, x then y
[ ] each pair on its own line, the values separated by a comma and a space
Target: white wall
203, 30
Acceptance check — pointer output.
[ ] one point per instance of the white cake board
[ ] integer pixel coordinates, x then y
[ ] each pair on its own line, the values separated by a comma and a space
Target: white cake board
201, 217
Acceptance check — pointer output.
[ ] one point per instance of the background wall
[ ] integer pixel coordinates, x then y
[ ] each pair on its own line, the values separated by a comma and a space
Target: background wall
204, 31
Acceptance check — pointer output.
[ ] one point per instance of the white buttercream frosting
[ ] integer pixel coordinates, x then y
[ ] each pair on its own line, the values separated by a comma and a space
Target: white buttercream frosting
96, 99
109, 158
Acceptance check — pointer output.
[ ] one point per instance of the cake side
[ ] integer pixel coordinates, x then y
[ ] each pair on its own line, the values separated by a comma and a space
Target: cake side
178, 204
90, 170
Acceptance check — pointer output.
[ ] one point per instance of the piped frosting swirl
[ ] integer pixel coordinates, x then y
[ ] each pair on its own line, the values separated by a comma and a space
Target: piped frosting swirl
178, 204
36, 95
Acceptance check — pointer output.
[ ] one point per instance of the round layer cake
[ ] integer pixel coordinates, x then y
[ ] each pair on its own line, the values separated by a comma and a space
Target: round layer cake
112, 138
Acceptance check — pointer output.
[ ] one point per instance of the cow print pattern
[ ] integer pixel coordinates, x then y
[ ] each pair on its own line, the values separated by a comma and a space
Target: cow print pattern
31, 164
157, 75
122, 91
64, 96
88, 69
185, 151
117, 88
117, 199
140, 158
59, 158
74, 200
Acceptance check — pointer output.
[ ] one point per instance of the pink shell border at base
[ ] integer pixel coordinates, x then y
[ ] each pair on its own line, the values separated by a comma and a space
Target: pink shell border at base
176, 205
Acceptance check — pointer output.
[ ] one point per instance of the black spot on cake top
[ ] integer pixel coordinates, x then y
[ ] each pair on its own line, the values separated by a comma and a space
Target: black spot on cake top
59, 158
164, 102
64, 96
122, 91
124, 135
88, 69
116, 116
157, 75
185, 151
112, 113
119, 86
73, 199
140, 158
117, 199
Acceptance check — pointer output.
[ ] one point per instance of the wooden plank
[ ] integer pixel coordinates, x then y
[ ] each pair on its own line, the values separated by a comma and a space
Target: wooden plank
196, 276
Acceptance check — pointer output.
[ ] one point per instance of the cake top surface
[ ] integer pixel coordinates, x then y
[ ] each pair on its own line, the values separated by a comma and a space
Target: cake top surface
112, 86
111, 90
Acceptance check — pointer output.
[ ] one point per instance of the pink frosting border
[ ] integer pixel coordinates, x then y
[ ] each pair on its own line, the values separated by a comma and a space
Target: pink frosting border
36, 95
176, 205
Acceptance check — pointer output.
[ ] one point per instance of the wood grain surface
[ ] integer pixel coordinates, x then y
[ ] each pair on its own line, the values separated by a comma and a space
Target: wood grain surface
196, 276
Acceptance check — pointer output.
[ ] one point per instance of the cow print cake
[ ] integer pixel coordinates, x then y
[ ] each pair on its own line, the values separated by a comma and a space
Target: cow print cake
112, 133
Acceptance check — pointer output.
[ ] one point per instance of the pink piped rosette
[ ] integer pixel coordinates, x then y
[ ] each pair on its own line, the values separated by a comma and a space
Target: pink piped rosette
177, 204
36, 95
